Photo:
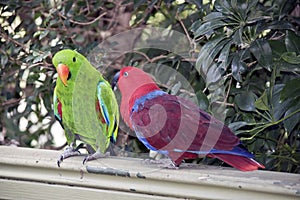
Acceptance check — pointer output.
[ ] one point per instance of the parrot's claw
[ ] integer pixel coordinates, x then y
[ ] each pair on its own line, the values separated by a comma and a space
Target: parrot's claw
171, 166
69, 152
95, 156
163, 163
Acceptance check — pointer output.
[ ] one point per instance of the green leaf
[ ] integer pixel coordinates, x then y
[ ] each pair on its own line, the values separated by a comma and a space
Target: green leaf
43, 34
203, 101
37, 59
291, 122
234, 4
213, 77
205, 59
248, 117
224, 56
215, 51
195, 26
262, 102
291, 58
245, 101
79, 38
198, 3
279, 107
237, 67
53, 22
291, 90
252, 4
279, 25
278, 48
4, 60
175, 89
213, 16
223, 6
287, 67
208, 28
68, 6
139, 3
263, 53
292, 42
237, 125
237, 37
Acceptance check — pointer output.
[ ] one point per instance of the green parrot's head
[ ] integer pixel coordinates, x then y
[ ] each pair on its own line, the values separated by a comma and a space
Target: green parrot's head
67, 63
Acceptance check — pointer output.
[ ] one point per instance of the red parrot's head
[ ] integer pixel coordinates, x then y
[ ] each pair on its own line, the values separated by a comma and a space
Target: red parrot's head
133, 83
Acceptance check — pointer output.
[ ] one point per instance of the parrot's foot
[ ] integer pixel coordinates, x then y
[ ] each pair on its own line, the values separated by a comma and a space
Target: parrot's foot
69, 152
95, 156
163, 163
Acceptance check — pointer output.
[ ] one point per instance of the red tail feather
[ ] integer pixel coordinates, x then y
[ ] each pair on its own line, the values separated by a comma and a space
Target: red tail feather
239, 162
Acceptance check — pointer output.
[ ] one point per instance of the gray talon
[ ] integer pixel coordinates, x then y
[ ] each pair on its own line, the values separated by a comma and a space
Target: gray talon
69, 152
95, 156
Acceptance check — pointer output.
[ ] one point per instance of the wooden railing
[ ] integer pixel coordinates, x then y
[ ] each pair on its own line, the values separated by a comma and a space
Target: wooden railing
33, 174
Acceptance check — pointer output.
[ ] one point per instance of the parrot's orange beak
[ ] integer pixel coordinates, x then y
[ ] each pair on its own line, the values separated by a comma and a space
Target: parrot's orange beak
63, 73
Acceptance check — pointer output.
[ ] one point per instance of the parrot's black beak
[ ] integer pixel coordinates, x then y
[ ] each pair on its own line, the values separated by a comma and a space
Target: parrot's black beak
115, 81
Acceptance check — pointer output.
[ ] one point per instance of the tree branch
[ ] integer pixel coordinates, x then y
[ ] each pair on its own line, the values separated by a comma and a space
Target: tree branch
83, 23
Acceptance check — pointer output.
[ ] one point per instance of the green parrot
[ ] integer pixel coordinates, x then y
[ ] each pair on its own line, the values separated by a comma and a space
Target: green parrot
85, 105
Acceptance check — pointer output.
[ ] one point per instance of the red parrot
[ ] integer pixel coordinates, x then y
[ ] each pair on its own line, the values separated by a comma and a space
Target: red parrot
175, 126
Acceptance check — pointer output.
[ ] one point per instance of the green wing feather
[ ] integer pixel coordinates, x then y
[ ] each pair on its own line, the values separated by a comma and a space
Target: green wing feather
55, 107
109, 109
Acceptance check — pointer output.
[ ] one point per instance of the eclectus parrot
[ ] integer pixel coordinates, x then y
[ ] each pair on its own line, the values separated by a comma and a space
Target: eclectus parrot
84, 104
175, 126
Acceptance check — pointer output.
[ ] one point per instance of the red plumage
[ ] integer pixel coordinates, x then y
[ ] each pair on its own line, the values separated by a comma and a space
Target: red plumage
99, 113
176, 126
239, 162
180, 127
59, 108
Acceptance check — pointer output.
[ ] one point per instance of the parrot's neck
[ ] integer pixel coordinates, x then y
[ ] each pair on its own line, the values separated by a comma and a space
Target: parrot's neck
128, 99
140, 92
146, 97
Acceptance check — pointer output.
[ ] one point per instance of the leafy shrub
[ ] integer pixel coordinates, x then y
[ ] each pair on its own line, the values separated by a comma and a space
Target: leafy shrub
255, 47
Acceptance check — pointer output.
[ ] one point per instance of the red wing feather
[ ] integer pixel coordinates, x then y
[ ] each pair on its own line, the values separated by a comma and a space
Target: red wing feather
169, 123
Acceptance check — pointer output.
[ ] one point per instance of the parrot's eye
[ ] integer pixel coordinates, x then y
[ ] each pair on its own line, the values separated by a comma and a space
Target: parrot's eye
125, 74
74, 59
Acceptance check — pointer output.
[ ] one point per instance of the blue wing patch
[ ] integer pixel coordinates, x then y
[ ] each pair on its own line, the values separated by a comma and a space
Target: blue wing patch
237, 151
102, 106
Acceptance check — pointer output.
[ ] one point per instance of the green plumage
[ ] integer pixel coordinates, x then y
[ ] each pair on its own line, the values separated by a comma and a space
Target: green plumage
86, 106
